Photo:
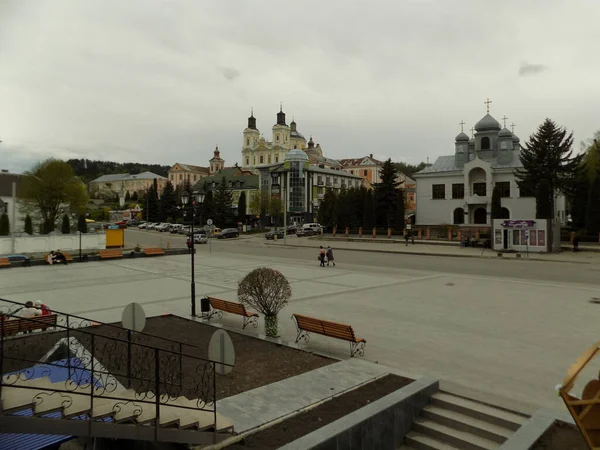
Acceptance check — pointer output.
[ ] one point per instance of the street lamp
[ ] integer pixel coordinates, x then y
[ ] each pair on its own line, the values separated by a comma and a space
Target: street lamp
197, 198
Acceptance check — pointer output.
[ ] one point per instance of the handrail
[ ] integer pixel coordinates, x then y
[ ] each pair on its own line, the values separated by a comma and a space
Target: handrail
85, 319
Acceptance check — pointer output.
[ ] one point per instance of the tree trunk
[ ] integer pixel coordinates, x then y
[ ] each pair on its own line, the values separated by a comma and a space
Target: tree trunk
271, 326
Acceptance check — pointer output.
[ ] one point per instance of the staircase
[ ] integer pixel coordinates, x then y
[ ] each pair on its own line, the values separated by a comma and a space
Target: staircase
453, 422
114, 383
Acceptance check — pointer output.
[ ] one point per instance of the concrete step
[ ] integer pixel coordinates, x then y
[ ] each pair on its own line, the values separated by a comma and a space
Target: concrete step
464, 422
478, 410
451, 436
419, 441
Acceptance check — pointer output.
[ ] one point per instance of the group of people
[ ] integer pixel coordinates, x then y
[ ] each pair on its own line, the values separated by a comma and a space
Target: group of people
326, 256
32, 309
56, 257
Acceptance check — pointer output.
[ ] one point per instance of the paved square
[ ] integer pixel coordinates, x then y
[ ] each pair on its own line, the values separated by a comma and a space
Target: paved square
512, 338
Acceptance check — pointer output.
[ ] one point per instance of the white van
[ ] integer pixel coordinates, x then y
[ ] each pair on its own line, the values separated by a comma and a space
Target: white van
313, 226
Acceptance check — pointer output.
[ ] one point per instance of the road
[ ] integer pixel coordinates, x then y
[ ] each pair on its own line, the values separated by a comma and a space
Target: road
553, 272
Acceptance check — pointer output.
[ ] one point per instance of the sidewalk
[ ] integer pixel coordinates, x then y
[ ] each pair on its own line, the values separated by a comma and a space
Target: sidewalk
445, 249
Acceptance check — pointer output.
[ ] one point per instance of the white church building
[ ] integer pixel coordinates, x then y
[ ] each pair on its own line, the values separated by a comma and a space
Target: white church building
457, 189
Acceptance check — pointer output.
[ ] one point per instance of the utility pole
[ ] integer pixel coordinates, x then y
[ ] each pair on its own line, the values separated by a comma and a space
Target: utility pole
284, 215
14, 215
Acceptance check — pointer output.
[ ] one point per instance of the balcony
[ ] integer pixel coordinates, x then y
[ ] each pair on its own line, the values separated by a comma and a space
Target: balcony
477, 199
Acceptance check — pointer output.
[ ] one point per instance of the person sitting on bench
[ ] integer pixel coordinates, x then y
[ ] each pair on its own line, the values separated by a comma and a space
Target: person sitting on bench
59, 257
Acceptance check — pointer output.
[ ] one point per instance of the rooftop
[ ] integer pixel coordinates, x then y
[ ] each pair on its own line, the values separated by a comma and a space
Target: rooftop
116, 177
448, 164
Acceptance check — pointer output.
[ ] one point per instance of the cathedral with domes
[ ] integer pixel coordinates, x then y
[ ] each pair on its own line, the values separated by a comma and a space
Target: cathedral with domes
457, 188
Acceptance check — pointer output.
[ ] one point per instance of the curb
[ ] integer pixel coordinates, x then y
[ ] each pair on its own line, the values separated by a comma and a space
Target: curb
444, 255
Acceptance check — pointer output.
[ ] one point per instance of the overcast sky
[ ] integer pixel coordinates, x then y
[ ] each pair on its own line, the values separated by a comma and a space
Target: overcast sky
165, 81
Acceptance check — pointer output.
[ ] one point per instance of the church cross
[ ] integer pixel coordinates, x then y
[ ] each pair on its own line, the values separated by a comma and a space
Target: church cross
487, 104
505, 119
472, 131
512, 126
462, 122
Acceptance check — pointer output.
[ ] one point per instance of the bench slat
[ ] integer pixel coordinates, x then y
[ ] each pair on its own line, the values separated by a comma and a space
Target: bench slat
113, 253
327, 328
4, 262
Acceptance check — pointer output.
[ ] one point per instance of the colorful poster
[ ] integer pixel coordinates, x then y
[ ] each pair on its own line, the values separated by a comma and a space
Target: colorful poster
542, 238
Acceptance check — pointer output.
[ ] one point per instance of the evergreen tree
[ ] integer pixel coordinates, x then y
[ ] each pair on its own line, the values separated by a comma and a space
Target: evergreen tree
4, 225
328, 209
399, 220
368, 211
548, 166
66, 225
386, 194
127, 197
152, 203
48, 226
28, 225
496, 203
167, 201
222, 205
81, 224
242, 208
134, 196
344, 210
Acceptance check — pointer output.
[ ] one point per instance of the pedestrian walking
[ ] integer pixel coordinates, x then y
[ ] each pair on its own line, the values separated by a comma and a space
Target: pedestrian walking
322, 256
329, 255
576, 243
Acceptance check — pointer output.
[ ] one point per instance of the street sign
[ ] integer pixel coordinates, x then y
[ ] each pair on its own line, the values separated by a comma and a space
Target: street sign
134, 317
220, 350
209, 222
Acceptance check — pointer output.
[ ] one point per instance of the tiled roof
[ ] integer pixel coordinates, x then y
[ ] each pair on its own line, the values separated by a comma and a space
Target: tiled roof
448, 164
6, 181
191, 167
234, 174
125, 177
357, 161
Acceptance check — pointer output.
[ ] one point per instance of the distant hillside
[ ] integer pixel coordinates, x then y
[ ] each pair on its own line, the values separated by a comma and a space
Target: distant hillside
89, 170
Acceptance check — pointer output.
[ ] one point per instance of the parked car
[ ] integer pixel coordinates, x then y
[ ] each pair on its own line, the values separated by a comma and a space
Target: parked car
151, 225
200, 239
271, 234
174, 228
121, 222
313, 226
163, 227
142, 225
300, 232
228, 233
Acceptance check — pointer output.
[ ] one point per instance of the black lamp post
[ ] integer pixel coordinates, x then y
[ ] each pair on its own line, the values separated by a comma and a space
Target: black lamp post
197, 199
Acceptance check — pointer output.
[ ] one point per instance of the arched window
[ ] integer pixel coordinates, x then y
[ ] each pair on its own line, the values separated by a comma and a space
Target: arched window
485, 143
480, 216
247, 161
504, 213
247, 141
261, 159
459, 216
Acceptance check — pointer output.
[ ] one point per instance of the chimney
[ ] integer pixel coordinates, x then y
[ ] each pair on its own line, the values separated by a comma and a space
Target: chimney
371, 156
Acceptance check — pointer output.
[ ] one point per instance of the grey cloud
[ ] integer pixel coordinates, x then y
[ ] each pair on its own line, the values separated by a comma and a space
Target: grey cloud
531, 69
231, 73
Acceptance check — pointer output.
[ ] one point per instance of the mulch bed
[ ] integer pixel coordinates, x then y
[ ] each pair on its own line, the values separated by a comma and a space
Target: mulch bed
561, 436
330, 411
258, 362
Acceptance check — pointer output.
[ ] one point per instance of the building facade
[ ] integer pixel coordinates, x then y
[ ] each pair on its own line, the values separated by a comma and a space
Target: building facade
457, 189
123, 183
366, 167
302, 185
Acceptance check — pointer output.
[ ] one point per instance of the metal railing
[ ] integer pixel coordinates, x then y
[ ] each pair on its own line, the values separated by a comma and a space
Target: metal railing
157, 369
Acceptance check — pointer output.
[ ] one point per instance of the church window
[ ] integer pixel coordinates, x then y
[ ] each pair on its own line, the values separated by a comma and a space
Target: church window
439, 191
248, 141
277, 137
276, 158
269, 159
247, 161
458, 191
504, 187
479, 189
262, 158
485, 143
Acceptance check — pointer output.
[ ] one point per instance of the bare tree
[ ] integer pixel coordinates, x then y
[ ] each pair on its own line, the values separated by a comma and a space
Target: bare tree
268, 291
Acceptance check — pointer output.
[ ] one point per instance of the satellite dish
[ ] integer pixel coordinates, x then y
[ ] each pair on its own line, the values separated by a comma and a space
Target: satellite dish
220, 350
134, 317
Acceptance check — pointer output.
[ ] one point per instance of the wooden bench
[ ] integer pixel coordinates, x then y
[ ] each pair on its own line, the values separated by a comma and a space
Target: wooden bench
4, 262
68, 257
154, 251
336, 330
110, 253
219, 306
12, 326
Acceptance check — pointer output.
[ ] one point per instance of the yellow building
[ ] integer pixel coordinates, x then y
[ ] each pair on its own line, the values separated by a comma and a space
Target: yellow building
179, 173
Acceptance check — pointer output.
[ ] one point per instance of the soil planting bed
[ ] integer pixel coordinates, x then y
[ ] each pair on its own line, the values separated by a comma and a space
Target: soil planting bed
334, 409
258, 362
561, 436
